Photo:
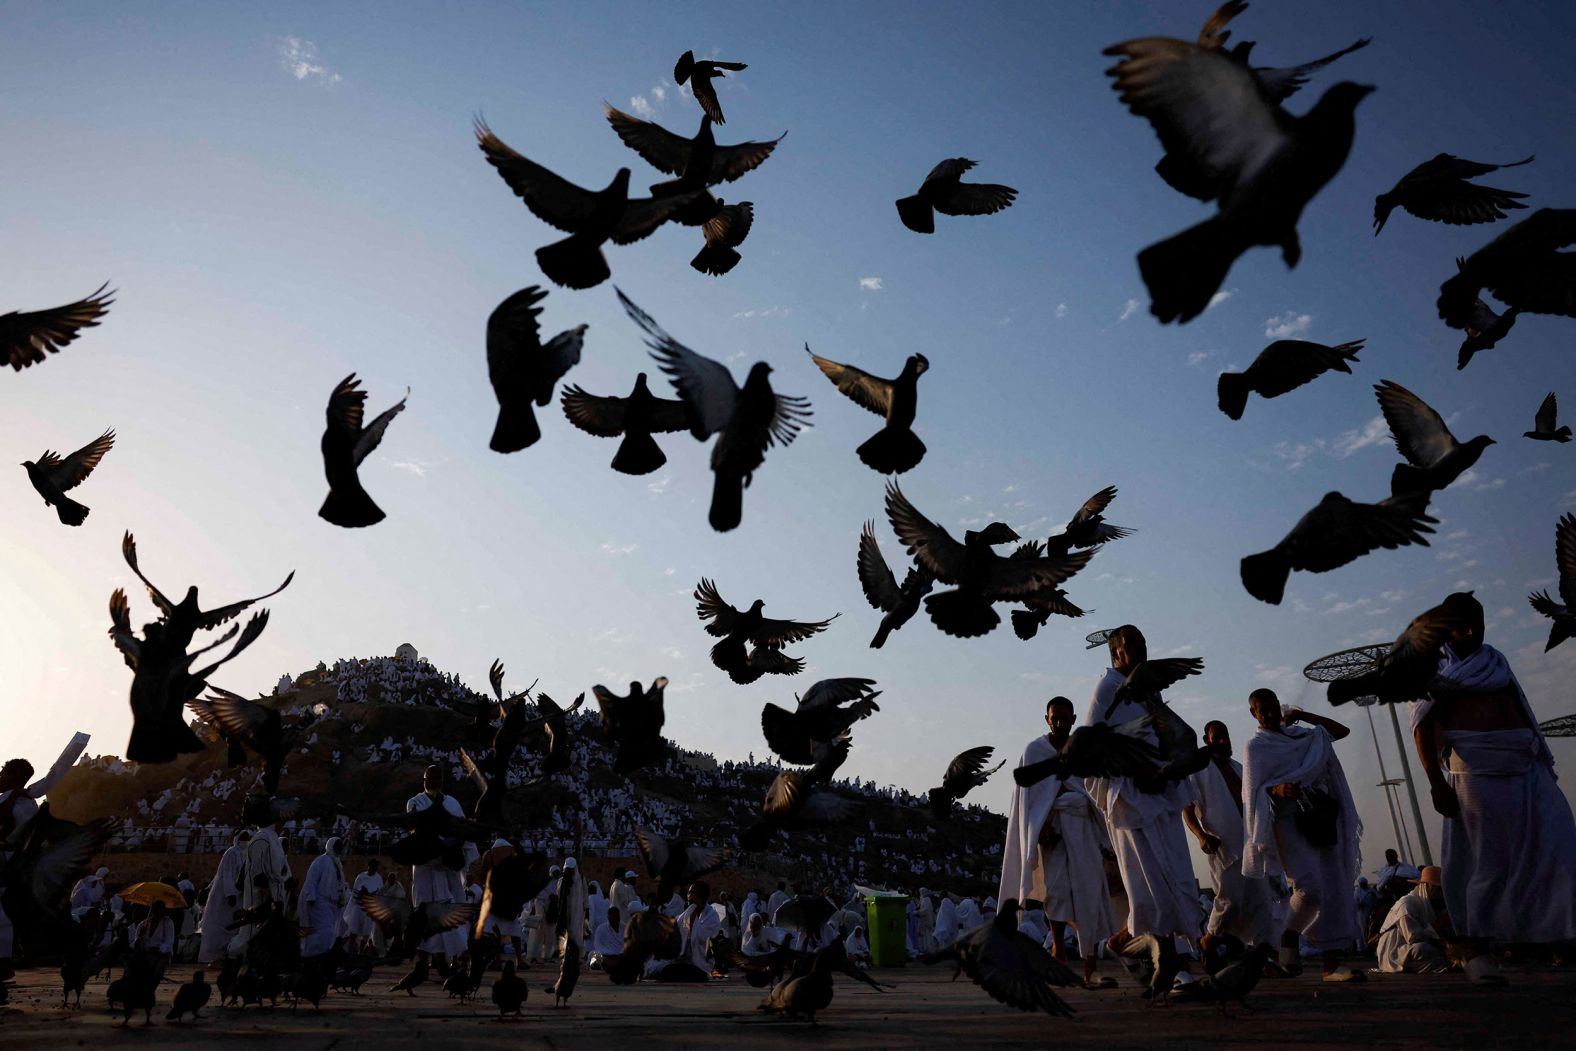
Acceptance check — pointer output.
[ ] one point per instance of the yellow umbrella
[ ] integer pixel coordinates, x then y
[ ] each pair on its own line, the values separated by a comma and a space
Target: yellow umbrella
148, 893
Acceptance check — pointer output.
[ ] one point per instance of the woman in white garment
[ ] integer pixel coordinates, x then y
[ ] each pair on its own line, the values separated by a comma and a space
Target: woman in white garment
224, 894
322, 900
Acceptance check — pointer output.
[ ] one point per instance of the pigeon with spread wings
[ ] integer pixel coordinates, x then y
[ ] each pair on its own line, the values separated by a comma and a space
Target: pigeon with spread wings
820, 719
1434, 457
633, 724
1484, 326
675, 861
183, 619
699, 74
1523, 267
794, 800
1008, 964
1563, 612
965, 773
522, 370
1438, 190
980, 576
898, 604
591, 218
346, 443
1405, 671
52, 475
747, 420
1336, 532
635, 418
408, 925
257, 726
1088, 527
895, 448
765, 636
945, 191
697, 162
1280, 367
1097, 750
1546, 426
28, 337
725, 230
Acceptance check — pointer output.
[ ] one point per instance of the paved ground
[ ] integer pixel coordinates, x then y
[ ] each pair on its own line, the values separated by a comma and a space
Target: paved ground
1538, 1010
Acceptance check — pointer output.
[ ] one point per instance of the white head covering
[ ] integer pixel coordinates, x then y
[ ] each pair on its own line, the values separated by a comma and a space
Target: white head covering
553, 870
334, 846
500, 842
102, 872
569, 864
630, 875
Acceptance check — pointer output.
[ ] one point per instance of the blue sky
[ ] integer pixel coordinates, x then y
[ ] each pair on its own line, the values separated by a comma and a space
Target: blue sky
289, 193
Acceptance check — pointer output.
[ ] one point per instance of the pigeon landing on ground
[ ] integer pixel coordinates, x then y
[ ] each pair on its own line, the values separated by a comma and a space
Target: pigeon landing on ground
1231, 984
591, 218
700, 75
1438, 190
1545, 426
898, 604
747, 420
346, 443
28, 337
1524, 269
52, 476
765, 636
1280, 367
944, 191
1562, 613
1404, 671
635, 417
522, 370
1334, 533
633, 724
1238, 148
965, 773
1434, 457
895, 448
1009, 965
509, 992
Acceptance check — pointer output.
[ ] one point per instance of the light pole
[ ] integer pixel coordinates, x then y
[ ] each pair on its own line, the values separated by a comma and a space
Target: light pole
1411, 789
1384, 776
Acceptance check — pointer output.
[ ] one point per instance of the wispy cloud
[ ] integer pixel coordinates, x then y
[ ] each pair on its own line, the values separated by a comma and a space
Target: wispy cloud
1061, 310
643, 108
1475, 481
1198, 357
1129, 309
1294, 455
299, 59
763, 312
1219, 298
658, 486
870, 284
1287, 325
1374, 432
618, 549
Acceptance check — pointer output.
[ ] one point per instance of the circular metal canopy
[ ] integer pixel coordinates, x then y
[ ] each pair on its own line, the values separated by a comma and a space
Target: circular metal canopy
1346, 664
1097, 638
1564, 726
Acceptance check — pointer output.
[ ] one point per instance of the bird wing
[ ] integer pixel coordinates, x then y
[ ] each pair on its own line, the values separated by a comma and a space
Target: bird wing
656, 145
653, 848
76, 467
561, 354
1460, 203
1155, 676
932, 546
706, 94
444, 915
513, 332
784, 794
1522, 267
128, 551
870, 392
495, 679
966, 765
806, 913
1282, 84
786, 734
1002, 967
730, 162
1548, 414
705, 386
731, 225
710, 605
1093, 506
768, 660
249, 634
1018, 577
551, 198
120, 632
391, 914
776, 633
1214, 34
1565, 558
1102, 750
1420, 432
950, 168
828, 764
595, 414
1340, 530
642, 216
1287, 364
65, 857
27, 336
347, 405
230, 713
611, 707
1420, 643
473, 771
975, 198
875, 576
220, 614
1446, 166
698, 861
372, 436
1203, 104
732, 66
832, 692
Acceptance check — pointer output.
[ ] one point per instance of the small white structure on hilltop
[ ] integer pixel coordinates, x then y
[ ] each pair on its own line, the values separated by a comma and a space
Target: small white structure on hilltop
405, 652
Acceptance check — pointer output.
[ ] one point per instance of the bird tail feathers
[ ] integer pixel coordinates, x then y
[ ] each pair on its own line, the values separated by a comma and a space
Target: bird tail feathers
1264, 575
917, 215
715, 260
1558, 633
351, 508
573, 263
727, 502
70, 512
1183, 272
881, 635
961, 614
1406, 480
892, 450
516, 429
638, 453
1232, 392
155, 742
1026, 623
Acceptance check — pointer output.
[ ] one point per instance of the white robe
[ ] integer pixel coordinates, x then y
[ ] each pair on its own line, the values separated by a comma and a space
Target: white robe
606, 941
1070, 878
623, 895
357, 922
321, 904
596, 908
1408, 941
1321, 905
698, 924
1242, 906
219, 912
856, 945
968, 915
774, 903
946, 923
265, 856
436, 882
571, 913
1509, 859
1146, 832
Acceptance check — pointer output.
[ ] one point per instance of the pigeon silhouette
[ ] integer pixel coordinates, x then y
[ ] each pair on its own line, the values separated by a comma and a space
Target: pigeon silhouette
819, 720
1008, 964
1434, 457
635, 418
965, 773
895, 448
28, 337
52, 476
1438, 190
633, 724
700, 75
1523, 268
898, 603
1545, 426
724, 231
1280, 367
944, 191
697, 162
1404, 671
522, 370
1562, 613
1334, 533
346, 443
764, 636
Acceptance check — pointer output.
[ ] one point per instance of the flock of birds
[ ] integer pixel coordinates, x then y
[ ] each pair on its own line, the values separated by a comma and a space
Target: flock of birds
1226, 139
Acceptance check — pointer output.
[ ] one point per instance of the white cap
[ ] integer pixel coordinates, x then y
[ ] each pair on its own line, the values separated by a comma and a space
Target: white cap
102, 872
569, 863
630, 874
552, 870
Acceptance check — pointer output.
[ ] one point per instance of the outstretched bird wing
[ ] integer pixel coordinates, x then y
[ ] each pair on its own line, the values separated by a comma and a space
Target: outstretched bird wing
71, 471
777, 633
1289, 363
975, 198
1437, 189
870, 392
372, 437
966, 766
595, 414
730, 162
128, 551
705, 386
656, 145
120, 632
551, 198
1420, 432
1282, 84
1548, 414
832, 692
710, 605
230, 713
1565, 558
26, 337
513, 335
932, 546
875, 576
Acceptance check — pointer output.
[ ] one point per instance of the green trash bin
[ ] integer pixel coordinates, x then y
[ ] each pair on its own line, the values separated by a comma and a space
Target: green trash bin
887, 916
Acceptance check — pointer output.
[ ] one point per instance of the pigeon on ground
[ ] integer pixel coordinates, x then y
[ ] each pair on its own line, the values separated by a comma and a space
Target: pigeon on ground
522, 370
700, 75
698, 162
1438, 190
979, 575
725, 230
28, 337
826, 710
590, 217
674, 861
1159, 960
635, 417
1088, 527
895, 448
1336, 532
568, 976
965, 773
509, 991
1523, 268
1260, 164
749, 419
633, 724
1435, 458
765, 636
53, 475
1280, 367
1231, 983
944, 191
1008, 964
1545, 426
802, 995
414, 979
1404, 671
793, 799
897, 603
346, 443
1562, 613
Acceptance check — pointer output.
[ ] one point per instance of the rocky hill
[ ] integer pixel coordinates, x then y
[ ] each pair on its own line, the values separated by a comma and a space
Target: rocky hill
376, 723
